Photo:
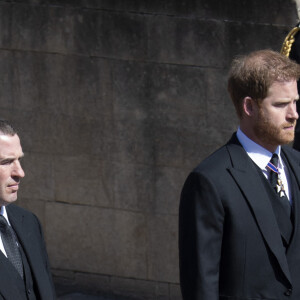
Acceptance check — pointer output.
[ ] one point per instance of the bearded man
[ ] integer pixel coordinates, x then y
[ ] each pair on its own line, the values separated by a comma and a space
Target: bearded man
239, 215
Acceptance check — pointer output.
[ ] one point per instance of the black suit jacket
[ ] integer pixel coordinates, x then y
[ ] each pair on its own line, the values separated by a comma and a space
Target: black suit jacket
29, 232
230, 247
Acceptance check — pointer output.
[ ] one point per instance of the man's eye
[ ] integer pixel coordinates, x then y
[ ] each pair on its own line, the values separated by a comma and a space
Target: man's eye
280, 104
5, 162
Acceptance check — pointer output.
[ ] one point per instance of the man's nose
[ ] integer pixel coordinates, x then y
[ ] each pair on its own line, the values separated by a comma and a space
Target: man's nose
18, 170
292, 113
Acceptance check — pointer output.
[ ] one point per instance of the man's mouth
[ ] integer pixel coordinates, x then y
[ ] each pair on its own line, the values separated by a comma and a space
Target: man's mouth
289, 126
14, 186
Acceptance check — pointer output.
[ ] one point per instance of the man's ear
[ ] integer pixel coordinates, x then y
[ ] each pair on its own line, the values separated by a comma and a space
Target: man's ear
249, 106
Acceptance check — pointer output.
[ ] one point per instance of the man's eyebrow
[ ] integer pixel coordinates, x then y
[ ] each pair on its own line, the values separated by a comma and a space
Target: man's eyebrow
12, 157
288, 99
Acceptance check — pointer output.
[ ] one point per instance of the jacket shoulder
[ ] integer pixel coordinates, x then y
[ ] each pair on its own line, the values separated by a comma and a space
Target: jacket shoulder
17, 210
18, 213
292, 152
218, 160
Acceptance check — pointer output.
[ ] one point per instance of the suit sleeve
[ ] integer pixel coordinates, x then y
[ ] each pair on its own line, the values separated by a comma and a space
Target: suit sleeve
201, 218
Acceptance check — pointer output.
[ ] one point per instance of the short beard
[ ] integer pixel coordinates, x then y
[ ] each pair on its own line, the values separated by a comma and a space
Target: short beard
272, 134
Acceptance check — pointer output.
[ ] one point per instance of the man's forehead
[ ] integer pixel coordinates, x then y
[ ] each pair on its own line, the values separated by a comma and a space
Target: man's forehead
6, 137
10, 145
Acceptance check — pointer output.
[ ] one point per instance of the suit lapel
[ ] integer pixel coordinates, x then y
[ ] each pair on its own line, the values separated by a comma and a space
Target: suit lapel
245, 175
294, 167
293, 161
30, 246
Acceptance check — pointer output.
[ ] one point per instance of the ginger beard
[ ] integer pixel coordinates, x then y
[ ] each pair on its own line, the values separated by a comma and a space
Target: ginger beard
274, 134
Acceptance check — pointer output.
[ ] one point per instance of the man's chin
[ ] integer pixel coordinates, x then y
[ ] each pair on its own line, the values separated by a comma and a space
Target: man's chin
286, 141
8, 201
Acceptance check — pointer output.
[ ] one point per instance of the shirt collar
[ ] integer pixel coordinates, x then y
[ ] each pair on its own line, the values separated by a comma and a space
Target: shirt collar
4, 213
257, 153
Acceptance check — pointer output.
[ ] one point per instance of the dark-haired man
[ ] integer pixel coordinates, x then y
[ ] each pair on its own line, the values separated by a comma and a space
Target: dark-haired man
239, 218
24, 266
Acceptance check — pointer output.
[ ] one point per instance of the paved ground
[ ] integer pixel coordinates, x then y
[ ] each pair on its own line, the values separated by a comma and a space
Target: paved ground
79, 296
82, 296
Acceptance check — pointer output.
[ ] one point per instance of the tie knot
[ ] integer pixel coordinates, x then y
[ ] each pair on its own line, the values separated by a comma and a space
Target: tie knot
274, 160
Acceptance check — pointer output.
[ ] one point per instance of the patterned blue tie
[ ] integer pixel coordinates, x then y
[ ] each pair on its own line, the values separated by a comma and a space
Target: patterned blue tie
277, 184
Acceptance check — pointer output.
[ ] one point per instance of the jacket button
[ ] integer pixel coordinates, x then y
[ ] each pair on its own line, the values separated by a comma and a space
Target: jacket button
288, 292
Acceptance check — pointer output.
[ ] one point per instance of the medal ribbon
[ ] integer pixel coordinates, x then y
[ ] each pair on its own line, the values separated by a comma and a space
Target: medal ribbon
272, 167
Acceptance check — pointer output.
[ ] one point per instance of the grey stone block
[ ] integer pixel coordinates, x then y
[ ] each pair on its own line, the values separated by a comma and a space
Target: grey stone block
162, 114
69, 85
140, 289
38, 183
83, 180
103, 241
168, 185
244, 38
133, 139
35, 206
120, 34
7, 87
162, 248
93, 282
144, 89
214, 9
175, 293
68, 282
21, 19
56, 134
55, 28
76, 86
134, 187
80, 296
187, 41
267, 12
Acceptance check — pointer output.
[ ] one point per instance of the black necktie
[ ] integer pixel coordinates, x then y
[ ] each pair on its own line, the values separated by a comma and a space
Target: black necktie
277, 184
10, 244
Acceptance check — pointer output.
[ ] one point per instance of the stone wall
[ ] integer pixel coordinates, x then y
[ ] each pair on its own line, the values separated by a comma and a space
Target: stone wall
115, 102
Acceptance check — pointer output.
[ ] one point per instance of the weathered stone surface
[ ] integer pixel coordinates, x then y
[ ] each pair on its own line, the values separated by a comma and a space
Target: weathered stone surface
175, 293
168, 184
35, 206
238, 10
68, 282
162, 248
244, 38
68, 85
187, 41
134, 36
99, 240
38, 183
168, 114
83, 180
133, 187
140, 289
115, 102
93, 282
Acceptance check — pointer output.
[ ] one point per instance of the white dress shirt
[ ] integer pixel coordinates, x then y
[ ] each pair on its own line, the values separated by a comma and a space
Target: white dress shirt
4, 214
262, 156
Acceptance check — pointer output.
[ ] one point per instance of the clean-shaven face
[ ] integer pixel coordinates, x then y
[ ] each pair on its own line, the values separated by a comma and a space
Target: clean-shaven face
10, 168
